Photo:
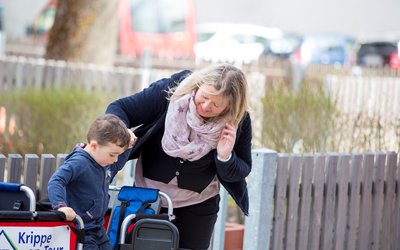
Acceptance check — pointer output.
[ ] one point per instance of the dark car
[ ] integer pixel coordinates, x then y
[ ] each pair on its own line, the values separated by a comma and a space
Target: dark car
379, 54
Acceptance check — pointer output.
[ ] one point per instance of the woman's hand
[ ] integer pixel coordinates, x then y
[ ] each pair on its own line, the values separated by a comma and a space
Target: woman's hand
133, 138
69, 213
226, 141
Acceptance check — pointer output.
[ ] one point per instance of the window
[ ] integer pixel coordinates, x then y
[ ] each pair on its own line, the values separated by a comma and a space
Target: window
157, 16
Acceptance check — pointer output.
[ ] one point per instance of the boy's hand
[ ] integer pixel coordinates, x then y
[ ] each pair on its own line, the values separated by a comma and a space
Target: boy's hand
69, 213
133, 138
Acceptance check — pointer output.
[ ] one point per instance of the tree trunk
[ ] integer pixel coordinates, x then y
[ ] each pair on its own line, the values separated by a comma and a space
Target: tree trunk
84, 31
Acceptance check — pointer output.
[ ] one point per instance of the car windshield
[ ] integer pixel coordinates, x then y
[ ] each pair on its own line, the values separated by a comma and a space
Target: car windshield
284, 45
150, 17
383, 48
204, 36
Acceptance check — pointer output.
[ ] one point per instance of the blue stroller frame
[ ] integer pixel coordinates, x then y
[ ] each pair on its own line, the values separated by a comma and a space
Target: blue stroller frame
151, 230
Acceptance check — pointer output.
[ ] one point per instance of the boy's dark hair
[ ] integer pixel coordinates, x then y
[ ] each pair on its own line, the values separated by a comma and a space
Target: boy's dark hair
109, 128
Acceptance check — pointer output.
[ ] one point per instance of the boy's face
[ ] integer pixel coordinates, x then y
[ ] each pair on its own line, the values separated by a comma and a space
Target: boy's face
105, 155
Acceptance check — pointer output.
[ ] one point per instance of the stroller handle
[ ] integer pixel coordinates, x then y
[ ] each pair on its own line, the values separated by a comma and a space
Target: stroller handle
78, 221
31, 196
114, 188
124, 227
170, 206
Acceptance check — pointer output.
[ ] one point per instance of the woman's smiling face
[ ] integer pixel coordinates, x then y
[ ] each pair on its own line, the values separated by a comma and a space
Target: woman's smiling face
208, 104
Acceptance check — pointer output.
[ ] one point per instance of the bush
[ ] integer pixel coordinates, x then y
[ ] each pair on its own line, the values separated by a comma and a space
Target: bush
297, 121
47, 121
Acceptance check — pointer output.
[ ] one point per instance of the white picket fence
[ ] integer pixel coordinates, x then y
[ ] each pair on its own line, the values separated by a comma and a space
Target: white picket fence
369, 108
372, 94
22, 72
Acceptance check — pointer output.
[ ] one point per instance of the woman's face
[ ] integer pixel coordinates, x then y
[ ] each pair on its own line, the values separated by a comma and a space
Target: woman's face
208, 104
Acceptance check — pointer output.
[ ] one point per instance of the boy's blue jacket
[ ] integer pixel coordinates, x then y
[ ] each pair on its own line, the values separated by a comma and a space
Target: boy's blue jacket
82, 184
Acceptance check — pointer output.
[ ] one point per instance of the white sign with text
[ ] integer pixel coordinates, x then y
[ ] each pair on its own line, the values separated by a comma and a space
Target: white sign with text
35, 238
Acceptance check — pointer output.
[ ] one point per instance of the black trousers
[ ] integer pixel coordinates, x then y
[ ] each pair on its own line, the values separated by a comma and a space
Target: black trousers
196, 223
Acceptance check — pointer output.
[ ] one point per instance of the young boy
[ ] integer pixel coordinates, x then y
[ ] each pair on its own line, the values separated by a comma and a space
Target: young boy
80, 185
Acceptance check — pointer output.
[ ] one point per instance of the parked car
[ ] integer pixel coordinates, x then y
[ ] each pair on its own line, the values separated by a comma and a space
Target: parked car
326, 49
38, 30
284, 46
231, 42
380, 52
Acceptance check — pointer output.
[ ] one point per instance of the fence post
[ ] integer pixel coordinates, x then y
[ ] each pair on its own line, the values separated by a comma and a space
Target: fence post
3, 66
9, 74
2, 166
14, 168
60, 160
20, 66
39, 68
30, 171
261, 184
218, 239
46, 170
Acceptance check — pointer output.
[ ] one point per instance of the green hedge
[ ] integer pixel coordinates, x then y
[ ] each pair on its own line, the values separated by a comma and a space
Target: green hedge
47, 121
297, 121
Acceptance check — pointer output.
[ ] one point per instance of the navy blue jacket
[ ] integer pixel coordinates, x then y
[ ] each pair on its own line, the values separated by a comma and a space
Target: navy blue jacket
148, 108
82, 184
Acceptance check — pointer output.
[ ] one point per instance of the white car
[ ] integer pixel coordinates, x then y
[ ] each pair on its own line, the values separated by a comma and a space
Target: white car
230, 42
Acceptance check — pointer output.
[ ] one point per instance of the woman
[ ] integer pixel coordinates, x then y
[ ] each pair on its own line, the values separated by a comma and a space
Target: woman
194, 134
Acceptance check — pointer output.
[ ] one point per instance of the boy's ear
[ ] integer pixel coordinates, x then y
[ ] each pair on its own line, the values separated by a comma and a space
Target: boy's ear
93, 145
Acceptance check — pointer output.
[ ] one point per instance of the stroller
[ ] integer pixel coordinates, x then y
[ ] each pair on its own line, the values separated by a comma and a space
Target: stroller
23, 227
136, 223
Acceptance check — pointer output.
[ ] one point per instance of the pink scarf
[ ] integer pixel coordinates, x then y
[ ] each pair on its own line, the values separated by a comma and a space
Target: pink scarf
186, 134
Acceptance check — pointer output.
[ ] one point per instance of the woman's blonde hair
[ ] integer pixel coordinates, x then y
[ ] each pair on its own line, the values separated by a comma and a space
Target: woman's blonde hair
227, 80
